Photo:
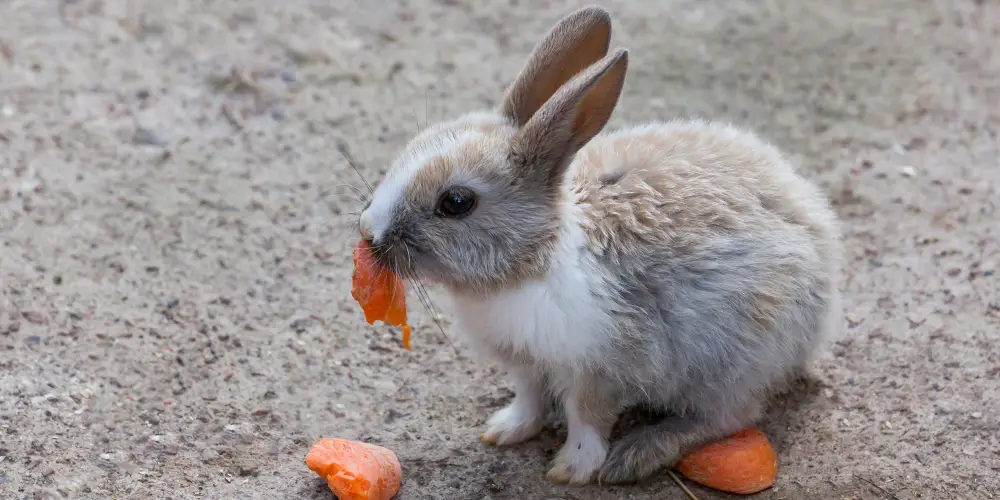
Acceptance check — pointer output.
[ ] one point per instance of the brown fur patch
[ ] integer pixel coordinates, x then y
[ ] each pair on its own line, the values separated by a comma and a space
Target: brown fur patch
673, 187
435, 173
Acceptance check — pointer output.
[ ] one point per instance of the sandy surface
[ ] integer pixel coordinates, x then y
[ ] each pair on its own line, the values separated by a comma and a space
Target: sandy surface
175, 317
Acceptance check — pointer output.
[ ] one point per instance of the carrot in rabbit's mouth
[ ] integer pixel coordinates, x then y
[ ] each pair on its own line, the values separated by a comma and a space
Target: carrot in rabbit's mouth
379, 291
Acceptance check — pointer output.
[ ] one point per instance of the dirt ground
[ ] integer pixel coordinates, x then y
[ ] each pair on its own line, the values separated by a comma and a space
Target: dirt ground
175, 233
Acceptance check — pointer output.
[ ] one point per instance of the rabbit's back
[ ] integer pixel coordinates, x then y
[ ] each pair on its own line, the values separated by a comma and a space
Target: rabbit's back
686, 181
725, 259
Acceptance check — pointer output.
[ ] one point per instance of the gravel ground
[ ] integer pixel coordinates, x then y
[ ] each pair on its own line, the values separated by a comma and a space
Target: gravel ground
175, 227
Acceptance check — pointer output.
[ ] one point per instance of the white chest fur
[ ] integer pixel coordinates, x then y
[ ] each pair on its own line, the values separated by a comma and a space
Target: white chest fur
559, 320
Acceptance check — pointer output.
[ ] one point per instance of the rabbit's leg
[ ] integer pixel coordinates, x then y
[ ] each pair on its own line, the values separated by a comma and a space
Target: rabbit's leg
648, 449
590, 415
523, 418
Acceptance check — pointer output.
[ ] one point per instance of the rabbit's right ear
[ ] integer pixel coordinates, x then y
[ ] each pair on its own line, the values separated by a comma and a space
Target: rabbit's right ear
573, 44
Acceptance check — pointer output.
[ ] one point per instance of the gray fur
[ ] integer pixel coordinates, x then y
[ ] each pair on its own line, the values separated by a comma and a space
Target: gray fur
694, 346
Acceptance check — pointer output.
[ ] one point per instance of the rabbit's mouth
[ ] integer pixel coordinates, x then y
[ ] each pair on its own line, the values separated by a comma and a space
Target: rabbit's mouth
405, 258
390, 254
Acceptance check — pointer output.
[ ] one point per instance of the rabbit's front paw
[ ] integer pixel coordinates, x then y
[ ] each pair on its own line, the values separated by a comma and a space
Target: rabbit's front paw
579, 459
515, 423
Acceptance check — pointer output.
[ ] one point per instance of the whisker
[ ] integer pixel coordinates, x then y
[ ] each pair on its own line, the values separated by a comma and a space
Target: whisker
357, 191
428, 303
393, 296
416, 119
425, 298
426, 115
342, 149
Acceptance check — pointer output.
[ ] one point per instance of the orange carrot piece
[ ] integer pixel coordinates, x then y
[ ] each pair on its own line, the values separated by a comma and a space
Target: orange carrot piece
354, 470
379, 291
743, 463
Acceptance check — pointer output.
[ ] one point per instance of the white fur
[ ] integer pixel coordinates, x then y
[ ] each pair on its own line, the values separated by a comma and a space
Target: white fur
523, 418
584, 451
558, 319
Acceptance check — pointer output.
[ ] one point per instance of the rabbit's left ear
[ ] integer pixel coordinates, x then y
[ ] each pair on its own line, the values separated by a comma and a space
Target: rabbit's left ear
578, 40
570, 119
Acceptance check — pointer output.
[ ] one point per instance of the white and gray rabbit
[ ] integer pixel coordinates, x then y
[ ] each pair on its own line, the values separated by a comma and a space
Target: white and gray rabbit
682, 266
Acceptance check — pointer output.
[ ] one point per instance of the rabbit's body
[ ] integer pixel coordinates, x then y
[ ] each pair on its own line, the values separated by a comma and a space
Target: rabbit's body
690, 274
682, 266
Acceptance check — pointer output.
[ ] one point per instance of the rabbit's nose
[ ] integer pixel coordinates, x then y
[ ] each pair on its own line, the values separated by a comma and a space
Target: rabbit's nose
365, 225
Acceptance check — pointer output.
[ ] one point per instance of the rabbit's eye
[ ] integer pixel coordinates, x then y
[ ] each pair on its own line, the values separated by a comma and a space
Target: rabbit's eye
456, 202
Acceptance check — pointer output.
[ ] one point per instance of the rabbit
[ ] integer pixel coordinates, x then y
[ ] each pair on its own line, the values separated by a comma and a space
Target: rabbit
682, 266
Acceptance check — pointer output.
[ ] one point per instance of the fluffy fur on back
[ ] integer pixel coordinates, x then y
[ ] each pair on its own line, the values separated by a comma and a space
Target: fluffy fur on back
683, 266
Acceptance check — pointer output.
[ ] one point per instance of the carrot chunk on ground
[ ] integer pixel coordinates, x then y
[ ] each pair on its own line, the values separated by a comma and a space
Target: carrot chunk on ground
379, 291
743, 463
354, 470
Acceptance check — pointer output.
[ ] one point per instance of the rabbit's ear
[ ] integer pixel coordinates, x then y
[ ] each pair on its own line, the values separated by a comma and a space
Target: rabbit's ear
570, 119
574, 43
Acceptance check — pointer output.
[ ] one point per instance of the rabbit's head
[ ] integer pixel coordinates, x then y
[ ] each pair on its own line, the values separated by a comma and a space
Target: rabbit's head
474, 203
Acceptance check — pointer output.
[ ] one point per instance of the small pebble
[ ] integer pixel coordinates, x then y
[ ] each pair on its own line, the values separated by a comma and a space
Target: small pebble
393, 414
146, 137
494, 486
852, 320
300, 325
34, 317
249, 470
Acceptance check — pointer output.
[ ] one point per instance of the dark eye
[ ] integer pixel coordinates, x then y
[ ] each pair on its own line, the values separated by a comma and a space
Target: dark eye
456, 202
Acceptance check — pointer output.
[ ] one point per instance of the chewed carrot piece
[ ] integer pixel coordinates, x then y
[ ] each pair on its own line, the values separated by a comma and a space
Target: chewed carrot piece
354, 470
379, 291
743, 463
